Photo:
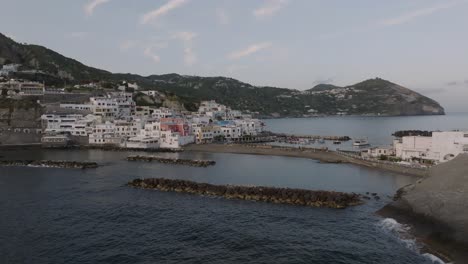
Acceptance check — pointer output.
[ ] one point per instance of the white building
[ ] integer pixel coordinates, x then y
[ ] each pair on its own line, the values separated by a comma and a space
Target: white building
126, 129
142, 143
377, 152
231, 131
212, 109
150, 93
173, 140
105, 134
249, 127
9, 68
151, 128
441, 147
162, 112
113, 106
32, 88
73, 124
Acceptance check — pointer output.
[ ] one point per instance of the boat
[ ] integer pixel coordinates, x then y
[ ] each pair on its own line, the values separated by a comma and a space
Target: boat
321, 141
336, 142
360, 143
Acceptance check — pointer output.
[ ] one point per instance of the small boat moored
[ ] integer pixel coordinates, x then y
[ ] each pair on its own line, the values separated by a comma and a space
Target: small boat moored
360, 143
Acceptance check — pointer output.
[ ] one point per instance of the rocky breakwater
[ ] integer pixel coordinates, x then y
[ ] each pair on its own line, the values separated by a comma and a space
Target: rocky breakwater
50, 164
302, 197
187, 162
437, 208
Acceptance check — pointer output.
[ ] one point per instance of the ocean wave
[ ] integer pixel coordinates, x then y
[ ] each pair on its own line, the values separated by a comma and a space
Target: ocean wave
400, 231
433, 258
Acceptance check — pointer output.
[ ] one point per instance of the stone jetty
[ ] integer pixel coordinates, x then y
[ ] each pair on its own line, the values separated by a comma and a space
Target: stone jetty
50, 164
187, 162
302, 197
284, 136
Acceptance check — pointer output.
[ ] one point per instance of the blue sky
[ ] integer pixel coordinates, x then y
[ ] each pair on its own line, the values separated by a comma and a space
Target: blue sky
421, 44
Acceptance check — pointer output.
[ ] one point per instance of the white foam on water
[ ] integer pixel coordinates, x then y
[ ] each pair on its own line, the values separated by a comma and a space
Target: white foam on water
400, 231
433, 258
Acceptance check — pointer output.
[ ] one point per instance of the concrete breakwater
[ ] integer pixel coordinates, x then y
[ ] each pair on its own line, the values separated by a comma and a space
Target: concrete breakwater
50, 164
188, 162
302, 197
315, 137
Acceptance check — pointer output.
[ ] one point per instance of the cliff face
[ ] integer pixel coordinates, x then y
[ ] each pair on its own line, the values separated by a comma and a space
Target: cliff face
438, 205
20, 113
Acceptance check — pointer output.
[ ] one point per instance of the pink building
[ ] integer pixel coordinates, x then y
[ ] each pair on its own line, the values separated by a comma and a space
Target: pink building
175, 125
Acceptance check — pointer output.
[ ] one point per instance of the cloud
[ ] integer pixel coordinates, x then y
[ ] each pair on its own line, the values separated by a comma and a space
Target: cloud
164, 9
222, 16
77, 35
148, 52
249, 50
128, 44
190, 57
91, 5
407, 17
154, 45
270, 8
185, 36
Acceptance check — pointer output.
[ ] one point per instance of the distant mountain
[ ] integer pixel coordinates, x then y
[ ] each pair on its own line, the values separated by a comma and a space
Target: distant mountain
371, 97
323, 87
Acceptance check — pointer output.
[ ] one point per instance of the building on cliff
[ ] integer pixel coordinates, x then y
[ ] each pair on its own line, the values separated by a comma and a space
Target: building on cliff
440, 147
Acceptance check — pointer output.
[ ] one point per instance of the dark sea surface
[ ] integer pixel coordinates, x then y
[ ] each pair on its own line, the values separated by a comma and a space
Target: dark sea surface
88, 216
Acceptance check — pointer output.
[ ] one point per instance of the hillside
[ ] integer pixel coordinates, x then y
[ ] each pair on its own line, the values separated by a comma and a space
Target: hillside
371, 97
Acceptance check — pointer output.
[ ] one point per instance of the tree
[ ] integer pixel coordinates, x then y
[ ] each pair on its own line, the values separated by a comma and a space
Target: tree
4, 92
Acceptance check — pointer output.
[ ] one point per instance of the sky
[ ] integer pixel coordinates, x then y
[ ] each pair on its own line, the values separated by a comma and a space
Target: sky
420, 44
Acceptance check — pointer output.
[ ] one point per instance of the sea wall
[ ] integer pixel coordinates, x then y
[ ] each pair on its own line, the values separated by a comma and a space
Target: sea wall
49, 164
302, 197
19, 137
187, 162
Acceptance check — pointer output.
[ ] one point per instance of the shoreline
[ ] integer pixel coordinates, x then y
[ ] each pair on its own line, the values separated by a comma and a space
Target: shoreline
321, 155
318, 154
324, 156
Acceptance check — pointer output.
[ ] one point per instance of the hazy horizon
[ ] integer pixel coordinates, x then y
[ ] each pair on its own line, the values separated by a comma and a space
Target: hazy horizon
283, 43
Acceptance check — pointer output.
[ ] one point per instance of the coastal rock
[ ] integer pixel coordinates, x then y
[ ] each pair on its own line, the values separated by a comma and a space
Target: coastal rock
302, 197
440, 201
188, 162
49, 164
